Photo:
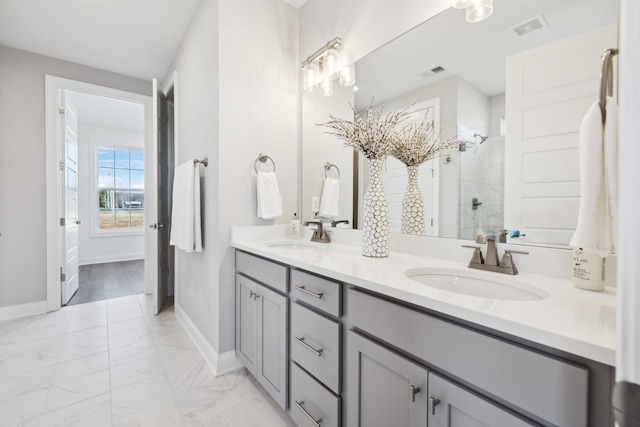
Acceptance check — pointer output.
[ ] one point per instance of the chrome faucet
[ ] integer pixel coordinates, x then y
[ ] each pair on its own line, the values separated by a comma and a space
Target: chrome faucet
319, 234
490, 263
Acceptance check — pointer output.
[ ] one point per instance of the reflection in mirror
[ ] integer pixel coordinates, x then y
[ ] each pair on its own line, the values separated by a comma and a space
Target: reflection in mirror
513, 88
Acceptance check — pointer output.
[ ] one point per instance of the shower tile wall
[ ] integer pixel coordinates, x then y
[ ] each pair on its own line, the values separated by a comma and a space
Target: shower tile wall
482, 176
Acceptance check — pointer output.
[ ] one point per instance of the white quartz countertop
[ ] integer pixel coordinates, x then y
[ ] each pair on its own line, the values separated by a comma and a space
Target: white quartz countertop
569, 319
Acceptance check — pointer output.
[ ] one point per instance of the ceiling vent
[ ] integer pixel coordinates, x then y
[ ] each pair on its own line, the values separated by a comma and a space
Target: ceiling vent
528, 27
433, 71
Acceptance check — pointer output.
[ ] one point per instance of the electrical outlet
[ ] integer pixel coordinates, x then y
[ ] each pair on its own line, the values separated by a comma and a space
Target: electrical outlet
315, 204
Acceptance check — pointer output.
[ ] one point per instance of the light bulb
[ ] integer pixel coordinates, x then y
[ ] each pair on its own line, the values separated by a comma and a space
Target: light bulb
331, 64
479, 10
310, 77
326, 87
348, 76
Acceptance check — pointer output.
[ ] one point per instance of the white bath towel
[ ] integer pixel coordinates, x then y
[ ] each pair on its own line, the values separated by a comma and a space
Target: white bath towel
611, 167
330, 199
269, 199
598, 181
186, 223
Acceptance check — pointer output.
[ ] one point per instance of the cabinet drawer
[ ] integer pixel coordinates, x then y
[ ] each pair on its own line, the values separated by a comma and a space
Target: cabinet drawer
312, 404
319, 292
315, 345
532, 382
267, 272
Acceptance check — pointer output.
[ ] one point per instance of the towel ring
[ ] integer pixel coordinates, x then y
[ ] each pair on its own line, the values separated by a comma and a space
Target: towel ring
606, 80
263, 158
328, 166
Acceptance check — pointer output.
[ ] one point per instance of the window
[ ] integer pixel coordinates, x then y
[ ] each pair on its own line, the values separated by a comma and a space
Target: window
120, 189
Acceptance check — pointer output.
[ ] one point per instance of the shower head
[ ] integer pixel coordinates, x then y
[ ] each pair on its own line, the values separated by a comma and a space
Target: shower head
482, 138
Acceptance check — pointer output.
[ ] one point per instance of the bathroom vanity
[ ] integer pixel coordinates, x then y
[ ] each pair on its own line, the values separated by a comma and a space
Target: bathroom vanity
342, 340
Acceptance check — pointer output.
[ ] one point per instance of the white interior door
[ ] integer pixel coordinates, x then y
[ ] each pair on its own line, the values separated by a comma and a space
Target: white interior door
69, 216
153, 283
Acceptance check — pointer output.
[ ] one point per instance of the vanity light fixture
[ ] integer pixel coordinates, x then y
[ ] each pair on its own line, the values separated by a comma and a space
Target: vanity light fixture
476, 10
324, 66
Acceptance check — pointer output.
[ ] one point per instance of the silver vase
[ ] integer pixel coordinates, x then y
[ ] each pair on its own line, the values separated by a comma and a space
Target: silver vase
375, 218
412, 205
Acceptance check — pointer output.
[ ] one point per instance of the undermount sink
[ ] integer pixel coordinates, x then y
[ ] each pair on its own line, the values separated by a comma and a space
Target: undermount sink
290, 245
478, 285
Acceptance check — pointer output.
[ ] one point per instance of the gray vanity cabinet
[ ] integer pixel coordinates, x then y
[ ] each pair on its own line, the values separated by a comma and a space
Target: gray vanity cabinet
384, 388
261, 323
453, 406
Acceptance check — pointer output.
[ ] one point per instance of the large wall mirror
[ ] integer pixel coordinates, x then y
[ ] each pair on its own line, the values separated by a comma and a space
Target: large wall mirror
513, 89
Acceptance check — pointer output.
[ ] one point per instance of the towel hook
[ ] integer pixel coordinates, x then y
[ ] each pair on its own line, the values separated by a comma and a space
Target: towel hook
263, 159
328, 166
606, 80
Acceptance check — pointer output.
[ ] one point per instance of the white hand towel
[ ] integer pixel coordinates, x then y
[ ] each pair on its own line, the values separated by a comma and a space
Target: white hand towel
594, 231
269, 199
611, 167
186, 224
330, 199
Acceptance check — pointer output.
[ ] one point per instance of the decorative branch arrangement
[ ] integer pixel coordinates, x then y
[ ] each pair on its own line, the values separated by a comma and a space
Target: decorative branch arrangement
374, 137
416, 143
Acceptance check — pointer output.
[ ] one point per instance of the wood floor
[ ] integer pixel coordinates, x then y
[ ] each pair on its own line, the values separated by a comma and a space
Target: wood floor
109, 280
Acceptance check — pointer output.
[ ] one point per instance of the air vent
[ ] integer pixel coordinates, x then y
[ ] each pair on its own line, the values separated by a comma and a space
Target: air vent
433, 71
529, 27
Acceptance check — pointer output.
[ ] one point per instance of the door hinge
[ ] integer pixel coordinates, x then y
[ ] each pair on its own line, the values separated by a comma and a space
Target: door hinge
63, 277
61, 165
432, 222
432, 173
63, 222
60, 110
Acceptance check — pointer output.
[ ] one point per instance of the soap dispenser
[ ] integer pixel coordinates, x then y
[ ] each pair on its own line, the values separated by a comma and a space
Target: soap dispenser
294, 227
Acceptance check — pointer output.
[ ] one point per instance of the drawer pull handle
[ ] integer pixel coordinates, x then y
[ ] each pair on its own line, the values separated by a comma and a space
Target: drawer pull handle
434, 403
308, 347
308, 292
414, 390
304, 411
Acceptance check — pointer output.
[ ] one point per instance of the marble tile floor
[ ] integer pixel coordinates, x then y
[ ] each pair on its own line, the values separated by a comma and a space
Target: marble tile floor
113, 363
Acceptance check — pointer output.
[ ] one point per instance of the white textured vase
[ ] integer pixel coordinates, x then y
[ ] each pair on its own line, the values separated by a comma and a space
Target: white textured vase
375, 217
412, 205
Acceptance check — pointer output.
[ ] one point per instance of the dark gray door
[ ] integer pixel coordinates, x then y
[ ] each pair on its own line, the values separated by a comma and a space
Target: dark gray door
453, 406
384, 388
272, 343
247, 322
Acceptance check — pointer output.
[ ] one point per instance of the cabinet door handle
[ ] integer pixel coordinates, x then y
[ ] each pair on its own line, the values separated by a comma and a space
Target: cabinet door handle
304, 411
252, 295
308, 292
414, 390
434, 403
308, 347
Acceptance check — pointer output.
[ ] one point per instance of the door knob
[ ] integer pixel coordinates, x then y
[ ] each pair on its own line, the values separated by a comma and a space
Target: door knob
78, 222
157, 226
161, 226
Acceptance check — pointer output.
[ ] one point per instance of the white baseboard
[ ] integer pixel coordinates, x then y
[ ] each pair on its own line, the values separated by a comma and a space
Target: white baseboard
220, 363
23, 310
110, 258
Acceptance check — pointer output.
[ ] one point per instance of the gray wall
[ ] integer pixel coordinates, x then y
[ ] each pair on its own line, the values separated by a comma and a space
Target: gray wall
22, 165
237, 96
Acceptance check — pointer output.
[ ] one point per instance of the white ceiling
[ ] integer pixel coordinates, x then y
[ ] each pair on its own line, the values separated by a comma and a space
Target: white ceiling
134, 37
474, 52
107, 112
